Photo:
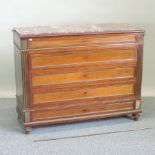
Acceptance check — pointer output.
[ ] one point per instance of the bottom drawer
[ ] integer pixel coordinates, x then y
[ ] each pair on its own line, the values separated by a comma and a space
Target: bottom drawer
88, 109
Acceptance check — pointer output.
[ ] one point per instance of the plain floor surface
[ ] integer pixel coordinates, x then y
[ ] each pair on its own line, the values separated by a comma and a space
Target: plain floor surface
114, 136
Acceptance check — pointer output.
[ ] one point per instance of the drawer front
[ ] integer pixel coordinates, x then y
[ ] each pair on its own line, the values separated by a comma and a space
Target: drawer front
89, 109
83, 40
105, 55
118, 73
102, 91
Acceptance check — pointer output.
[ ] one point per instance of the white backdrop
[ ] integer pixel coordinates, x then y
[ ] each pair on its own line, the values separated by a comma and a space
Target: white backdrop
14, 13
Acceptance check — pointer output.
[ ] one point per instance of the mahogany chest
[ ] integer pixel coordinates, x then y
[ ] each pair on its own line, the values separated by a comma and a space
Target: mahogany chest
75, 73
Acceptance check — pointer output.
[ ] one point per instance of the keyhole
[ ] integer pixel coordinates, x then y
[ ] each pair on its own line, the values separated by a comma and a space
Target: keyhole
85, 93
85, 75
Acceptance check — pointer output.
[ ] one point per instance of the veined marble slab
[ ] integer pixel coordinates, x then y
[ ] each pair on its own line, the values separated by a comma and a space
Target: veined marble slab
75, 29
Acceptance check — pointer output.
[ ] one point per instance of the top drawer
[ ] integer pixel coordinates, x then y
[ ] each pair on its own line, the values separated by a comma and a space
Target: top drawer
81, 40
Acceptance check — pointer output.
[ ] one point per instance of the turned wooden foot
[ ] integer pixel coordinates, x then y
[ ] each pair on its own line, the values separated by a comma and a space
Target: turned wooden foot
27, 130
135, 117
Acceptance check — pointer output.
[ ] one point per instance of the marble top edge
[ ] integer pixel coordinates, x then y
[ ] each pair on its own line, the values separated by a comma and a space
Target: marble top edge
75, 29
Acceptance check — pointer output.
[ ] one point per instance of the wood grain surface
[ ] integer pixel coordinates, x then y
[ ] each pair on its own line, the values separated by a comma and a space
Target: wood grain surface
84, 93
80, 110
105, 55
79, 40
83, 76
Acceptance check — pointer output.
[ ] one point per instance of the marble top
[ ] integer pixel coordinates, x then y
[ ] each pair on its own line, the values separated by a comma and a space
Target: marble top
75, 29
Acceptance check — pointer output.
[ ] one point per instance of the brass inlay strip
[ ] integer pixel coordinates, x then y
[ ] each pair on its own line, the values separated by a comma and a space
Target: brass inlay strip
138, 104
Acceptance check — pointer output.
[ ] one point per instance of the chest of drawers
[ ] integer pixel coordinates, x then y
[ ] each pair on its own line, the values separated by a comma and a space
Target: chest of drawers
76, 73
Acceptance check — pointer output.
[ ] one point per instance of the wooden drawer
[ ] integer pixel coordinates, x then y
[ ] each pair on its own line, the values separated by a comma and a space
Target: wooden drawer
84, 57
82, 67
79, 76
84, 40
81, 110
124, 89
